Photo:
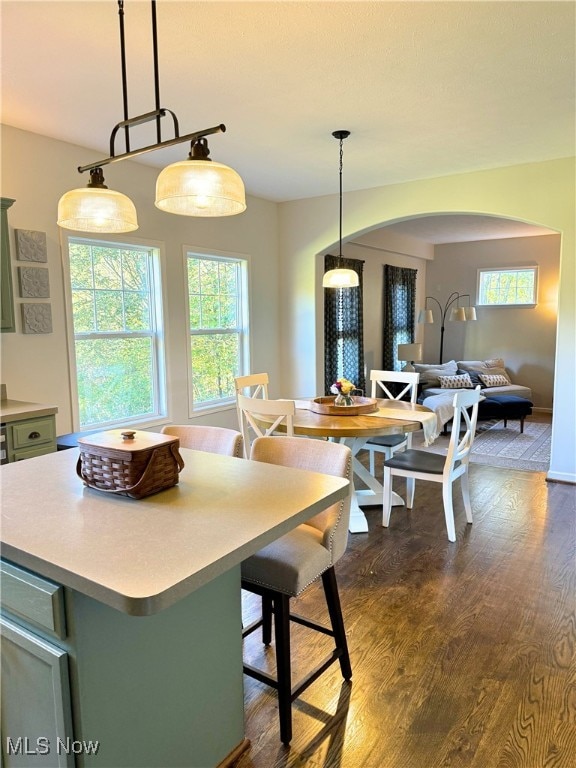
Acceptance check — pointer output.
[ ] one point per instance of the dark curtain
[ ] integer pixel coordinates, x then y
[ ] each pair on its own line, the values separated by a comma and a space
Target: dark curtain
399, 304
343, 328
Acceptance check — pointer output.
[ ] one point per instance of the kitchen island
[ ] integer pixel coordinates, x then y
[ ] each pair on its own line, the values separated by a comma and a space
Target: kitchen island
126, 615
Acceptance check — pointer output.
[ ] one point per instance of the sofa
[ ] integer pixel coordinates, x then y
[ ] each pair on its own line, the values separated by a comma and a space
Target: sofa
501, 398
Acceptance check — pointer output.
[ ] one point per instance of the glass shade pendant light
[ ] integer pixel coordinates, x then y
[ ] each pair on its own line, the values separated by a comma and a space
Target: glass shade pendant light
95, 208
199, 186
195, 187
340, 277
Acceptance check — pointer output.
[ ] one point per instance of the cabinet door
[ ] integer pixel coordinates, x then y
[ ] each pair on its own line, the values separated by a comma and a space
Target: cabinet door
36, 712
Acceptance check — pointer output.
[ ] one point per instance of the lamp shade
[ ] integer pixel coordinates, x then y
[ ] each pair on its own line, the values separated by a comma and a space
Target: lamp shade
340, 278
470, 313
200, 188
425, 316
409, 352
458, 313
93, 209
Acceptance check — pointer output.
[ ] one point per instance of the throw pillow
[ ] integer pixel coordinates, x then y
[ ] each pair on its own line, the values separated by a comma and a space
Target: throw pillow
474, 376
429, 373
495, 362
494, 380
462, 381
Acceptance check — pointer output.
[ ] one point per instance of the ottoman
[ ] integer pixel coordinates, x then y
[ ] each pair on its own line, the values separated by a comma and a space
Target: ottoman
504, 407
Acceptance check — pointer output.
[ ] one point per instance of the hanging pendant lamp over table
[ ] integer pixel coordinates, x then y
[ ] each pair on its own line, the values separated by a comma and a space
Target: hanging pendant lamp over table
194, 187
340, 277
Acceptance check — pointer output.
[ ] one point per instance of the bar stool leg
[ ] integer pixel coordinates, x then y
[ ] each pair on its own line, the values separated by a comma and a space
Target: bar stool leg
281, 605
266, 619
335, 611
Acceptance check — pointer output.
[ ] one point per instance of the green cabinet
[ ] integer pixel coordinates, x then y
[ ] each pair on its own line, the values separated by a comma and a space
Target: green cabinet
36, 700
7, 323
30, 437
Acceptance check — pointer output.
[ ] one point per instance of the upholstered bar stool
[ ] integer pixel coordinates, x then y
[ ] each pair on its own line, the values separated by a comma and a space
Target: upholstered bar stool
285, 568
227, 442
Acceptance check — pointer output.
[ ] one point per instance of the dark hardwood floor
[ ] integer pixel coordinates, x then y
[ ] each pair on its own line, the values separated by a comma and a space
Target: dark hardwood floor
463, 655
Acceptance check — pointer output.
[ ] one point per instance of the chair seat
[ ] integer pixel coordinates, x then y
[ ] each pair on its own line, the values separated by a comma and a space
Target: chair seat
290, 563
387, 440
419, 461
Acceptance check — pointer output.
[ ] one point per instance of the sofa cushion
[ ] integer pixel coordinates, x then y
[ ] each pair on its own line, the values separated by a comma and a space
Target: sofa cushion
511, 389
494, 380
461, 381
429, 374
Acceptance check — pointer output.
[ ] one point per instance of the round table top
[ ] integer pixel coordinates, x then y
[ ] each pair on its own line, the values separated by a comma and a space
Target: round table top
307, 422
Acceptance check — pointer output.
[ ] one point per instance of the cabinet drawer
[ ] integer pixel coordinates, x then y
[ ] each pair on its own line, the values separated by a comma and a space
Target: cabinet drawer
35, 600
29, 453
33, 432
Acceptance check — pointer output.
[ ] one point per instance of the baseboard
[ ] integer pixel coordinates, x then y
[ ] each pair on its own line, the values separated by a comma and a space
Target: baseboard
541, 410
236, 753
561, 477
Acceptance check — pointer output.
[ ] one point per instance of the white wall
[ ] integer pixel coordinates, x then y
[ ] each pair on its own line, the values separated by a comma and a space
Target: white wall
525, 337
538, 193
36, 171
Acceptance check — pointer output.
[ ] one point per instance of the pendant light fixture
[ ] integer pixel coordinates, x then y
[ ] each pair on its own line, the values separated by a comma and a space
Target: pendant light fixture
195, 187
340, 277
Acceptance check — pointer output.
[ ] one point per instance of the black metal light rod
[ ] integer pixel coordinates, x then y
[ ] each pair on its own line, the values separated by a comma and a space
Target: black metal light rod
150, 148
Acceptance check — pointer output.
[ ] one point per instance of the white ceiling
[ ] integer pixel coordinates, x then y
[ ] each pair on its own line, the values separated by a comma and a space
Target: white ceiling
427, 89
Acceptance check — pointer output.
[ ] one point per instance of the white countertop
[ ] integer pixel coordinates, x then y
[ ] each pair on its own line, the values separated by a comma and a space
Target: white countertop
16, 410
142, 556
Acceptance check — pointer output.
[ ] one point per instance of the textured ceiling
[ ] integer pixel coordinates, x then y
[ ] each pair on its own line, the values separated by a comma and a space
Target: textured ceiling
426, 88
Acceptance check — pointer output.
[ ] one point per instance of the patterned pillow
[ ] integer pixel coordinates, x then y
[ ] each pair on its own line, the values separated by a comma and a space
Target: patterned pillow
474, 376
462, 381
429, 373
494, 380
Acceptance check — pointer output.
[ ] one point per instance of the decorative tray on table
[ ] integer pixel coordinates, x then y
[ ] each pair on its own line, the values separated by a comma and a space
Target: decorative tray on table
361, 405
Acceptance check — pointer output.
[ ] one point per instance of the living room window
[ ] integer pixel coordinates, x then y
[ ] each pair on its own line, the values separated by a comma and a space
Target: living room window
218, 327
508, 287
114, 298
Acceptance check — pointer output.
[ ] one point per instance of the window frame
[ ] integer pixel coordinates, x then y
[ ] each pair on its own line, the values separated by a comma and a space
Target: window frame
243, 260
491, 270
158, 302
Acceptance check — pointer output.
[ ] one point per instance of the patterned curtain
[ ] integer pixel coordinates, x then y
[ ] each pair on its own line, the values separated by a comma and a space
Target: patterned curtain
343, 328
399, 303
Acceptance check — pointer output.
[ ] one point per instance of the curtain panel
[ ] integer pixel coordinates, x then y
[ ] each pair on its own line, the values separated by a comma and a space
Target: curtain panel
344, 328
399, 301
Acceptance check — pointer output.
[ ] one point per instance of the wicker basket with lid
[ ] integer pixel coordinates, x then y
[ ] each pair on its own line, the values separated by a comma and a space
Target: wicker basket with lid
129, 462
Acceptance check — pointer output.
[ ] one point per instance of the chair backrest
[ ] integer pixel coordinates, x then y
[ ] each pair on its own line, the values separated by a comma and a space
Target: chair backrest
276, 411
258, 381
317, 456
227, 442
461, 445
380, 379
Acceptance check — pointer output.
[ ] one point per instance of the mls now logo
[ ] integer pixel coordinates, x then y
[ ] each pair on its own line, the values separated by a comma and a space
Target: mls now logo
42, 746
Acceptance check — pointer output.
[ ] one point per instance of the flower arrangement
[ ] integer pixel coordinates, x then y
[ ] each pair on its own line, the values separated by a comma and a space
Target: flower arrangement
342, 388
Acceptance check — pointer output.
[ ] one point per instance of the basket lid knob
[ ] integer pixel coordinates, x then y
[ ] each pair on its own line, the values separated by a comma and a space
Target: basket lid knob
128, 434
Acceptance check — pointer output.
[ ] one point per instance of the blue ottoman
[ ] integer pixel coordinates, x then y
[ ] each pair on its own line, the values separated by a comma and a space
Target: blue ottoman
504, 407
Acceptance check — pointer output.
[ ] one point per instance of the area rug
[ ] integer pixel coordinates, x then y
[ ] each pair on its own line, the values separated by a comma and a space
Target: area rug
501, 446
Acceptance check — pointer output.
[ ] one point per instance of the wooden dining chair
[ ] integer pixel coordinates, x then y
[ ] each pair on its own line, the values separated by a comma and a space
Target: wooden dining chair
227, 442
253, 385
389, 444
285, 568
282, 411
423, 465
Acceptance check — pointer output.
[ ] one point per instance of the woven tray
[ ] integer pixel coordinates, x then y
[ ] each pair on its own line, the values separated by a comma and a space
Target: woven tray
129, 463
361, 405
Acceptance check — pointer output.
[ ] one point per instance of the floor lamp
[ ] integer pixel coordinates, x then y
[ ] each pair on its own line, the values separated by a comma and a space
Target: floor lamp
458, 313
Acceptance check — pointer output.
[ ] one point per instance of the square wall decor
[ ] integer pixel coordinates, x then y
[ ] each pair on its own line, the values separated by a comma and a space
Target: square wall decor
36, 318
30, 245
34, 283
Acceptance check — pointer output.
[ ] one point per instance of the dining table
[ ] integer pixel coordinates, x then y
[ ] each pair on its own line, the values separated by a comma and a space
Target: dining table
391, 417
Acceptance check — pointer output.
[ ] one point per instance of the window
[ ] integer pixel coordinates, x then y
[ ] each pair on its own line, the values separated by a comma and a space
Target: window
116, 313
507, 287
218, 322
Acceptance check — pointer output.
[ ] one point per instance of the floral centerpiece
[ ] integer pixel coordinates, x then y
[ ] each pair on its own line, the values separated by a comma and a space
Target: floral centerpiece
342, 388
